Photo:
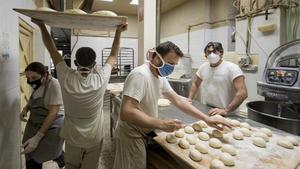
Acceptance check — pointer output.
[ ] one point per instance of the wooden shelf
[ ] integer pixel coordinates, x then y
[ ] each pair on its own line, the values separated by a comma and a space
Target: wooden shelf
75, 21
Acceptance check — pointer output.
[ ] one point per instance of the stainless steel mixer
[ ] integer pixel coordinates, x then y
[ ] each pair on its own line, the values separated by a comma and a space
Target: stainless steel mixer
280, 85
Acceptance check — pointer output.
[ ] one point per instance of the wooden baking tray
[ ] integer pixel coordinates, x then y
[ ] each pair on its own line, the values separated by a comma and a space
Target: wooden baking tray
75, 21
248, 155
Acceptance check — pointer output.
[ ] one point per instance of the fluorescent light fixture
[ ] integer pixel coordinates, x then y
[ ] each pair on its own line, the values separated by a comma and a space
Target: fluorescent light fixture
107, 0
134, 2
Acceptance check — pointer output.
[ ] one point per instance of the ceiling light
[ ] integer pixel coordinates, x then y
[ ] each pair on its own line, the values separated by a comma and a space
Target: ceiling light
107, 0
134, 2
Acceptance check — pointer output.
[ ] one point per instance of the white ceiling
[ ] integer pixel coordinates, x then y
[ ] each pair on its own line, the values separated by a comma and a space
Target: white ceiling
124, 6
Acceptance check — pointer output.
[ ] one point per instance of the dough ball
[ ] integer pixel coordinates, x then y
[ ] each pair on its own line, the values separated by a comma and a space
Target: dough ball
76, 11
163, 102
268, 132
203, 136
258, 141
227, 159
217, 133
195, 155
171, 138
245, 125
46, 9
179, 133
105, 13
226, 137
202, 124
184, 144
246, 132
226, 129
189, 130
201, 148
293, 140
197, 127
237, 135
262, 135
235, 123
227, 148
283, 142
191, 139
217, 164
215, 143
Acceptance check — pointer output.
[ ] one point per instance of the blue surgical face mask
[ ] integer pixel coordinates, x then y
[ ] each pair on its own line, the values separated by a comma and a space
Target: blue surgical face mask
165, 69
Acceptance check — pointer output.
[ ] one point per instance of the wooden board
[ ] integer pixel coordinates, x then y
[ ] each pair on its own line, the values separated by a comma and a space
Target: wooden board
248, 155
77, 21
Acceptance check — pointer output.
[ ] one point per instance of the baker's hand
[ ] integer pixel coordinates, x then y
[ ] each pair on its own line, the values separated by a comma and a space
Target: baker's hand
170, 125
122, 27
189, 100
31, 144
216, 111
218, 122
22, 115
37, 21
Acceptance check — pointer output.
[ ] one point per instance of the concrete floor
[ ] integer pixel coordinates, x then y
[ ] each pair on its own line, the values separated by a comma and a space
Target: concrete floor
107, 156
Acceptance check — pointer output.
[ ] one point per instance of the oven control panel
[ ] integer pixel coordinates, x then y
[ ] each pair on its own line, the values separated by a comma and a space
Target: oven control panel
282, 76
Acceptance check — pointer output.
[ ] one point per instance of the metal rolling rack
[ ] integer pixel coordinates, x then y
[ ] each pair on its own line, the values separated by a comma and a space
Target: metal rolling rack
125, 62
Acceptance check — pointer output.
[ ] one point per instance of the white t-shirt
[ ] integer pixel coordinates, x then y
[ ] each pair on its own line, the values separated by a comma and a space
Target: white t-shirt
83, 101
52, 96
144, 87
217, 87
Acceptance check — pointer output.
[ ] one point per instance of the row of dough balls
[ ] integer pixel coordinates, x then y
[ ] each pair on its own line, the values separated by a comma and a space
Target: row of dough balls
79, 11
195, 154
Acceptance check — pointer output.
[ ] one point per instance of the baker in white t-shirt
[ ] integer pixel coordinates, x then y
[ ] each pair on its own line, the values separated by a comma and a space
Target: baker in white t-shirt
222, 83
138, 113
82, 91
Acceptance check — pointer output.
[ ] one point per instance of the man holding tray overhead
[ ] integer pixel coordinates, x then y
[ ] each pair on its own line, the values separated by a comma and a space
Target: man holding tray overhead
82, 91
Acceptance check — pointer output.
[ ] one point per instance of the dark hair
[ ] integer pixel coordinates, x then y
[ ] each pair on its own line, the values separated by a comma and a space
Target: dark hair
216, 45
85, 56
166, 47
37, 67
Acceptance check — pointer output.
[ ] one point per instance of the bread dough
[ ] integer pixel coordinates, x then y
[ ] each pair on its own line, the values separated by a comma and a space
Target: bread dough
226, 129
246, 132
171, 138
46, 9
226, 137
262, 135
268, 132
227, 159
201, 148
197, 127
245, 125
235, 123
217, 164
236, 134
215, 143
179, 133
184, 144
105, 13
283, 142
191, 139
189, 130
202, 124
76, 11
203, 136
195, 155
227, 148
260, 142
217, 133
293, 140
163, 102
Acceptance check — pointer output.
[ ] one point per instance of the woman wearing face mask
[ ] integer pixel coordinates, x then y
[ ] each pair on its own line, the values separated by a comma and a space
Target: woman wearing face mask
222, 83
41, 141
139, 111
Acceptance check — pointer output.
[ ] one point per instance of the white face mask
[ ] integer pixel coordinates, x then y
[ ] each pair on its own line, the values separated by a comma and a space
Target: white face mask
213, 58
84, 69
